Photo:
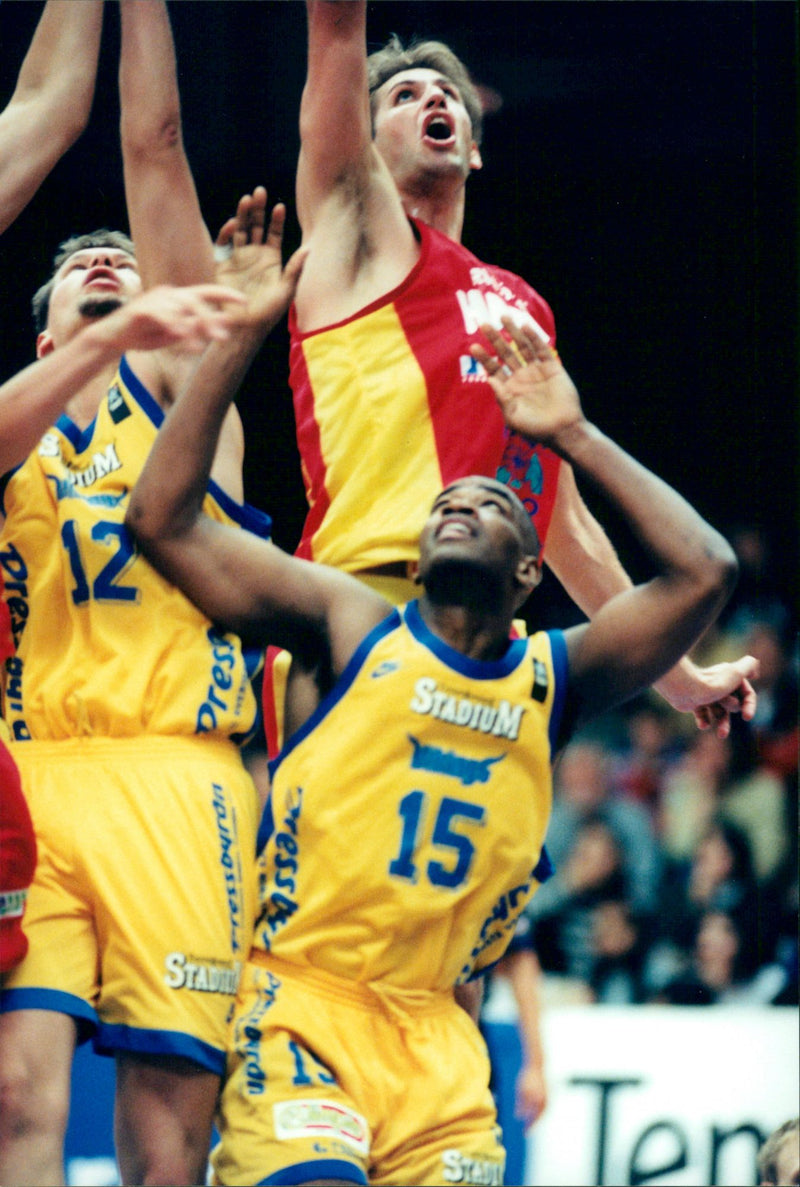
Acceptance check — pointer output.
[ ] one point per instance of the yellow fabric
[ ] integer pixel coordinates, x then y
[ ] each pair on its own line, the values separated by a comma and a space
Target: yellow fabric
340, 1081
105, 646
143, 900
409, 815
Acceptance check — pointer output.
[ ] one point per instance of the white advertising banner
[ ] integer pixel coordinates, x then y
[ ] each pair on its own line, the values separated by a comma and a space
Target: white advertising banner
662, 1094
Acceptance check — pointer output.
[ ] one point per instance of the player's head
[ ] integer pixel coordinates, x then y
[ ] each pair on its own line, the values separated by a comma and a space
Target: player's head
426, 112
429, 55
779, 1157
478, 546
92, 275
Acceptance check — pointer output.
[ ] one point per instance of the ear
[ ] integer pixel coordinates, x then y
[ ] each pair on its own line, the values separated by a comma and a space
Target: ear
527, 576
475, 161
413, 572
44, 344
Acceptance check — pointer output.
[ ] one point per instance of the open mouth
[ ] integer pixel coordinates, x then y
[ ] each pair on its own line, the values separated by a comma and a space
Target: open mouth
440, 129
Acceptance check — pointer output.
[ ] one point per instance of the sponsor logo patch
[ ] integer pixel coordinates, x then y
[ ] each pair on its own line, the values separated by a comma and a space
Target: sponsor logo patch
321, 1119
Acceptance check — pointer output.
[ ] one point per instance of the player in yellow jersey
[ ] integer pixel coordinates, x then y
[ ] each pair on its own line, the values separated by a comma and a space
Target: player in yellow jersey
126, 703
47, 111
404, 830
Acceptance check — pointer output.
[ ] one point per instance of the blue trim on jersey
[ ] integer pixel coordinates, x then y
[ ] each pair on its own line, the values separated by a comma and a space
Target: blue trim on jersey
248, 517
266, 825
356, 662
544, 867
323, 1168
476, 669
49, 999
80, 439
111, 1039
558, 649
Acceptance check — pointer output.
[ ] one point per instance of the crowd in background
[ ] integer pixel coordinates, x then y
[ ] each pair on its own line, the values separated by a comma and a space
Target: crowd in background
675, 850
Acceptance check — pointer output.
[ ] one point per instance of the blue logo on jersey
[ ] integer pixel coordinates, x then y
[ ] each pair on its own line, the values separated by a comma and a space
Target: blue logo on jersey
66, 489
388, 665
447, 762
519, 467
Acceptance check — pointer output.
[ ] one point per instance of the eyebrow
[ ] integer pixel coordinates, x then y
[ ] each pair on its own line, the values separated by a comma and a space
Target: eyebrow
499, 491
441, 81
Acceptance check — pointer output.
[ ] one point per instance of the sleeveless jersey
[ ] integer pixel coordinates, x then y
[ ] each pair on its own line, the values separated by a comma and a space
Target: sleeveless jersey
104, 645
405, 829
391, 401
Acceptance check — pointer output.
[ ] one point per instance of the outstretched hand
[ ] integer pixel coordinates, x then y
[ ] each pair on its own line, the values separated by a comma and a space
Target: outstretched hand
712, 694
187, 317
249, 258
536, 395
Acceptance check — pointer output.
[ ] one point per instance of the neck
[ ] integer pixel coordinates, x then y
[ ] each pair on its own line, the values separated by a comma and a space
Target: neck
477, 633
442, 211
83, 405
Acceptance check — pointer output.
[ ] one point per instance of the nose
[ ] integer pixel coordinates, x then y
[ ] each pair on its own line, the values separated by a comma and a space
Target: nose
436, 97
460, 502
102, 259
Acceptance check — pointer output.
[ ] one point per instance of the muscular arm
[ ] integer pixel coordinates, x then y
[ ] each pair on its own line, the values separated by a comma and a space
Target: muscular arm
584, 560
51, 102
348, 205
173, 245
640, 633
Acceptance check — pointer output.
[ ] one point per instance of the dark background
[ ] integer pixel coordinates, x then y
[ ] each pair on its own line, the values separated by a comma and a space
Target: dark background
641, 173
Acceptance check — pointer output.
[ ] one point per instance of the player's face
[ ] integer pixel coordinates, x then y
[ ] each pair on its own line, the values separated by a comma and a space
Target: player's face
474, 520
89, 284
422, 126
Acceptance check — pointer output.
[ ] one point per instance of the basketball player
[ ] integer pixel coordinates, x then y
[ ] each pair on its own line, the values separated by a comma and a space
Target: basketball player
125, 703
404, 831
46, 113
389, 401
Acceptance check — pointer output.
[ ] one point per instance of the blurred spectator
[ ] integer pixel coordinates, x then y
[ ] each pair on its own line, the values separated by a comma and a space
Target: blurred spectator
510, 1024
592, 874
725, 778
779, 1157
652, 748
621, 940
776, 721
724, 969
584, 788
758, 596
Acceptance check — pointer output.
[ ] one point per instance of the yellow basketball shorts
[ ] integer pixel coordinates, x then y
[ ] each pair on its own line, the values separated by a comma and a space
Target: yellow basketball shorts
141, 911
331, 1079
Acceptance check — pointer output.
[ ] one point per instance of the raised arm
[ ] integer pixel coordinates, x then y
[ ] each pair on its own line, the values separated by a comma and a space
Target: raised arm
640, 633
173, 245
51, 102
347, 203
237, 579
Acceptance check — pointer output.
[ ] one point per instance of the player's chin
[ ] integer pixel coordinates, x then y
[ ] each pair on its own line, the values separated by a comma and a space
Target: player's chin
95, 307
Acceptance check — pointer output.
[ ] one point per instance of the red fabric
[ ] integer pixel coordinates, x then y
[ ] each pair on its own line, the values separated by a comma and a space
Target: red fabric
17, 860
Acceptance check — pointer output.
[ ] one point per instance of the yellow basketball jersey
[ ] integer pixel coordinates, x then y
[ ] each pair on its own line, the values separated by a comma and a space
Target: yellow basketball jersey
405, 828
105, 646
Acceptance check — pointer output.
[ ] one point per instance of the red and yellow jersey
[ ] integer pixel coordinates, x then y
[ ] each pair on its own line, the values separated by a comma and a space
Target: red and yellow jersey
405, 828
390, 407
105, 646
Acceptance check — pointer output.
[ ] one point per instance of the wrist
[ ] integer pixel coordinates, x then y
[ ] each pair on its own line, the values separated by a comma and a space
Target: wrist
573, 439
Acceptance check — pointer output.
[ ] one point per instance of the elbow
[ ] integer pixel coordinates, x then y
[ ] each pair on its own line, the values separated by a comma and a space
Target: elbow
143, 138
142, 527
719, 570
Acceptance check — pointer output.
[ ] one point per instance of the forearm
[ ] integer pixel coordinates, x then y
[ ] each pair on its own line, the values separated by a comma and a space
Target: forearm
34, 399
52, 99
579, 552
524, 973
172, 242
167, 500
674, 534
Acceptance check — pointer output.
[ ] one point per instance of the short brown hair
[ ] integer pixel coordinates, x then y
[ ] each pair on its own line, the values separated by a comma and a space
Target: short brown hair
430, 55
102, 238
